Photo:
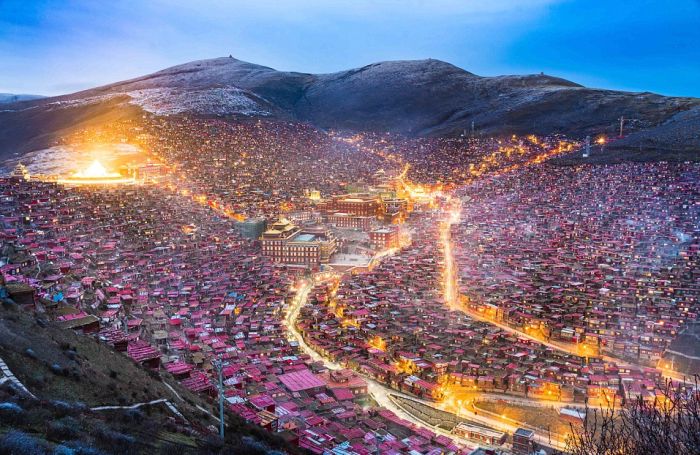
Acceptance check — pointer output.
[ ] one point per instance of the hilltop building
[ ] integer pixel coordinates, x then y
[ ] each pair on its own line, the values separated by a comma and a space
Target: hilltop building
20, 172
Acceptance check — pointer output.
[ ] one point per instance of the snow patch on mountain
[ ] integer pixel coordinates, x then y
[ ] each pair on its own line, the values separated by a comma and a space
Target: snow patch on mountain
218, 101
174, 100
62, 104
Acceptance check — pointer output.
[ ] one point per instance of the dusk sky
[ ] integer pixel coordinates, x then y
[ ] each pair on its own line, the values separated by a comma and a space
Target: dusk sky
51, 47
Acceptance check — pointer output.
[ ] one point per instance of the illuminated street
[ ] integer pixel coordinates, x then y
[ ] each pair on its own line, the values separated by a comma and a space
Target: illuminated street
380, 392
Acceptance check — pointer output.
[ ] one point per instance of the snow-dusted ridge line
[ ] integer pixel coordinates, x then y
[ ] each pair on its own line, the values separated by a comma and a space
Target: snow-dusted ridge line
172, 100
61, 104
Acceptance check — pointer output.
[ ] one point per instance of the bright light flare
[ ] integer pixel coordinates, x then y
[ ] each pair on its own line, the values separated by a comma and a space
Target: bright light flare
95, 171
96, 174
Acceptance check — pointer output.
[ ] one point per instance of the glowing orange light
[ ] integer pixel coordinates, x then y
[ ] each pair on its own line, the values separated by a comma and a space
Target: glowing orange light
95, 174
378, 343
95, 170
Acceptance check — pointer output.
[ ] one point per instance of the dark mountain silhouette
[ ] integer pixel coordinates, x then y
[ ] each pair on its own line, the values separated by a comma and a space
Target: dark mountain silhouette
416, 98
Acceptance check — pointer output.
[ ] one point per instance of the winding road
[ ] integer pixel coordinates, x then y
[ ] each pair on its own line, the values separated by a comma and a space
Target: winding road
379, 392
451, 208
383, 394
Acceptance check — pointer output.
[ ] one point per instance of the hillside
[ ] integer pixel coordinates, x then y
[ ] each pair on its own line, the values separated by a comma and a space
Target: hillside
71, 374
415, 98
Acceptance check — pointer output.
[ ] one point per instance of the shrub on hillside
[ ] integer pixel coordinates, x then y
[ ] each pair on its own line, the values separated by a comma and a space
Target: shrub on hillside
17, 442
76, 448
133, 416
63, 429
9, 304
114, 440
670, 424
64, 408
170, 448
11, 413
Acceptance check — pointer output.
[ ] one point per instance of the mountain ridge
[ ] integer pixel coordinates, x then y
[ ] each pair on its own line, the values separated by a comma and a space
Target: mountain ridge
411, 97
6, 98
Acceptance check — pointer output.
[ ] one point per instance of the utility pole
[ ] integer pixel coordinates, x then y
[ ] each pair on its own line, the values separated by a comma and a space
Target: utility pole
622, 123
218, 365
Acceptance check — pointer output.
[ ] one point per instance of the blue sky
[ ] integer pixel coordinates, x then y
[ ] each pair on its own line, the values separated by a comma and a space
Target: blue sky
60, 46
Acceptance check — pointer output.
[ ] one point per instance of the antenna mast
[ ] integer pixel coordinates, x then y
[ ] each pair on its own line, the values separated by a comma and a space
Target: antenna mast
587, 150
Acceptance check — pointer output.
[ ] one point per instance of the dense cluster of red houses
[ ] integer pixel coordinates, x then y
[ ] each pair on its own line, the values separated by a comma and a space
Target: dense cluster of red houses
260, 167
393, 325
604, 255
163, 280
452, 162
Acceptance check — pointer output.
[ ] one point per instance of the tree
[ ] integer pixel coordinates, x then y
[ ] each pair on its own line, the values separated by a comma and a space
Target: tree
667, 424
